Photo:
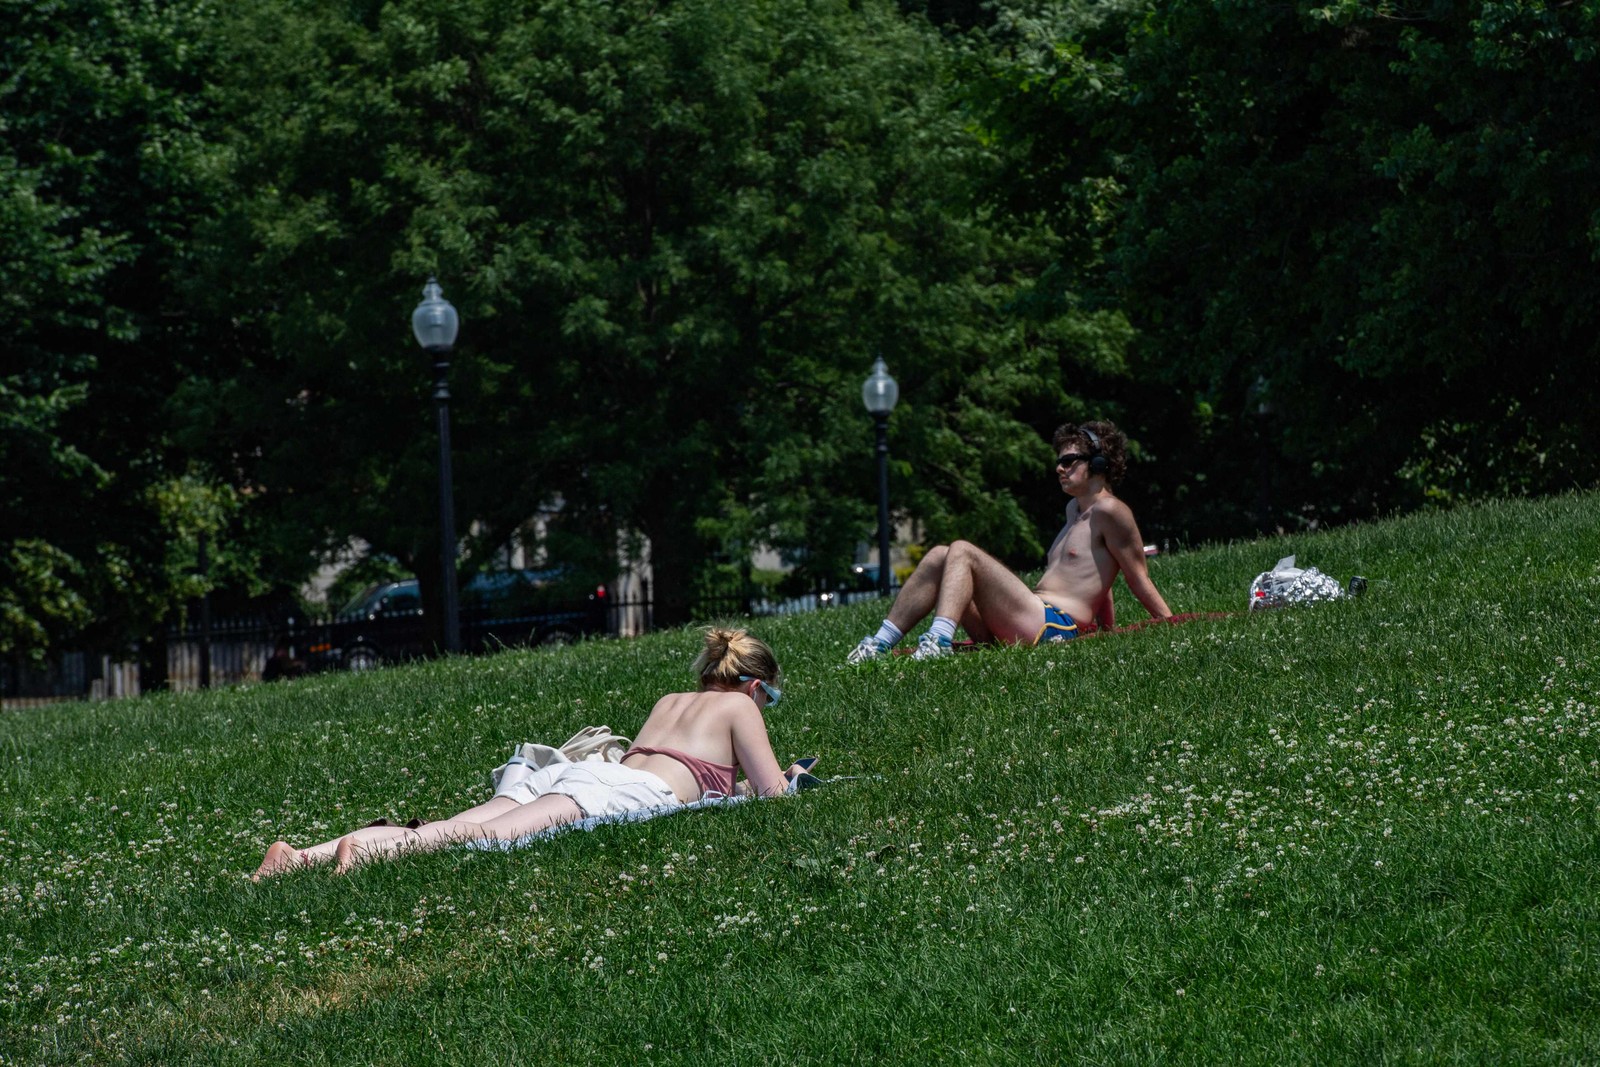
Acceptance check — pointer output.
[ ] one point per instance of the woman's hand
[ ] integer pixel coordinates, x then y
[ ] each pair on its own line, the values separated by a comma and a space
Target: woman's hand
800, 767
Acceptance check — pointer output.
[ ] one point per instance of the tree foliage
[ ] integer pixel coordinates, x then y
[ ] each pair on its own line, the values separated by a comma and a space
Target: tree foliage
677, 236
103, 169
1355, 240
1321, 260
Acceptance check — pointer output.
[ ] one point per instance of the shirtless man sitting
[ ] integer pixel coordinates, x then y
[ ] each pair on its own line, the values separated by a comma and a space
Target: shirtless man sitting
963, 585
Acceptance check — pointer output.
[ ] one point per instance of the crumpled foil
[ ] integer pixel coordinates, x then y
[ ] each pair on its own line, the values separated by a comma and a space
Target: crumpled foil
1287, 584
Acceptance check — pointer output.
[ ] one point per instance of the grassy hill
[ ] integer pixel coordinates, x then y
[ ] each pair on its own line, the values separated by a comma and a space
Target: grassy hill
1358, 831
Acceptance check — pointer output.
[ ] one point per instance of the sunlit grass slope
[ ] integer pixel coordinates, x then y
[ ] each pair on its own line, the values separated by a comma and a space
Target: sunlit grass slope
1350, 832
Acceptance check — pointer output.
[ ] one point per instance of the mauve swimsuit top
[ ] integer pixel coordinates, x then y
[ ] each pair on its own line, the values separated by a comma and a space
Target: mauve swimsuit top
710, 777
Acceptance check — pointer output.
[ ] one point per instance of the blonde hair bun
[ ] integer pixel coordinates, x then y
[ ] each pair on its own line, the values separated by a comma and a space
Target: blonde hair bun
728, 653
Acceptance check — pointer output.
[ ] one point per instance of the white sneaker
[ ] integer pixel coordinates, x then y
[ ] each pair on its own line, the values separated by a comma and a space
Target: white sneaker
870, 648
931, 647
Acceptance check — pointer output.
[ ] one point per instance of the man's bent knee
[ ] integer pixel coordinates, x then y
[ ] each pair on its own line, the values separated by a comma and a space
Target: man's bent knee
932, 561
966, 549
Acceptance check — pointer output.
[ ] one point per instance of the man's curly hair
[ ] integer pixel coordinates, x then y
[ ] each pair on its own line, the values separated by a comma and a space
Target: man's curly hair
1113, 445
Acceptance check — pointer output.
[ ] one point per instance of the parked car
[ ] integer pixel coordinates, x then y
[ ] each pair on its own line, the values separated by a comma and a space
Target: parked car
385, 622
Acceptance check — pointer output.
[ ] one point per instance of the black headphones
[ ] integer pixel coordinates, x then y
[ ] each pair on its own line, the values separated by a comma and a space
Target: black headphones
1098, 464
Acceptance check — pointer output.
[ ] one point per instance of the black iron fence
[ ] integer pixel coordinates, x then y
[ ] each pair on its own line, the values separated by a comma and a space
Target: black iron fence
69, 676
638, 609
230, 651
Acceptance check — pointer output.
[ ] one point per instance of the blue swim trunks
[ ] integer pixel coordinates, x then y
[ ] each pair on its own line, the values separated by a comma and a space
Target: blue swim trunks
1058, 625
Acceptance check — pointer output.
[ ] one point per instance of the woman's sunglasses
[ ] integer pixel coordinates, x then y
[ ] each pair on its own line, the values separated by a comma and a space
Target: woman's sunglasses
774, 694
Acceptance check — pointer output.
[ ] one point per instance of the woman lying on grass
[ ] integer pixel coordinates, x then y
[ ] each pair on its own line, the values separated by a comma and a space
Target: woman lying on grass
692, 744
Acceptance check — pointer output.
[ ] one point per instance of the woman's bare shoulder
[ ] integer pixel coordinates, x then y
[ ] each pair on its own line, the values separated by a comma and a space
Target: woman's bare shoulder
734, 711
704, 702
733, 704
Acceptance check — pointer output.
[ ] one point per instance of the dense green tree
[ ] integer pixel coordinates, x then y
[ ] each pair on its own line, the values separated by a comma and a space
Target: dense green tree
102, 170
1355, 239
677, 236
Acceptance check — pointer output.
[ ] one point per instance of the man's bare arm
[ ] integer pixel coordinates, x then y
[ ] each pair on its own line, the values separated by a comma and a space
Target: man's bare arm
1122, 540
1105, 612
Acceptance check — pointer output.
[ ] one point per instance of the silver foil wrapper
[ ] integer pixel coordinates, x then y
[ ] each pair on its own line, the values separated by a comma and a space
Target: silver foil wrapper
1287, 584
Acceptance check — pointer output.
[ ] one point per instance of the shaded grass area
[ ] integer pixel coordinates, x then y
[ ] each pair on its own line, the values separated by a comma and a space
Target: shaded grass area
1363, 830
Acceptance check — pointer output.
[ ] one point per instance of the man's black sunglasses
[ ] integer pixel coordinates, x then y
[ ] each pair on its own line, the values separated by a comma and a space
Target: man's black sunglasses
1067, 459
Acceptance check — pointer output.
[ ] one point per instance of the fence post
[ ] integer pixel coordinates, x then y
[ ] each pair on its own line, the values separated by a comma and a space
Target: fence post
205, 618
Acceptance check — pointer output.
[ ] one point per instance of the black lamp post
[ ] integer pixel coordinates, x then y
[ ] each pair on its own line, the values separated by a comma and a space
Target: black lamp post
880, 393
435, 323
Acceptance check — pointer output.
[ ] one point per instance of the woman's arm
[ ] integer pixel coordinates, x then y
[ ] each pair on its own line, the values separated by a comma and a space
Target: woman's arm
752, 750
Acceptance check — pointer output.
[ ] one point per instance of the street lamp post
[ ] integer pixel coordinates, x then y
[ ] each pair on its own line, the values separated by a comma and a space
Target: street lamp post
435, 323
880, 393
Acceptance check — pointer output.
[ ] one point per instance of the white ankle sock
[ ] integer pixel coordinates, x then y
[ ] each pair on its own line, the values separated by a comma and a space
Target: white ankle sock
888, 634
943, 628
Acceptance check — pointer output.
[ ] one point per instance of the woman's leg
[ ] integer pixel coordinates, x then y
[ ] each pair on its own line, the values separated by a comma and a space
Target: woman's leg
282, 856
506, 821
489, 809
362, 846
552, 809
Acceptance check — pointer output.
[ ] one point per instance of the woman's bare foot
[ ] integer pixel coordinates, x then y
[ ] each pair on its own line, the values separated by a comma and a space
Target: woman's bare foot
345, 855
281, 856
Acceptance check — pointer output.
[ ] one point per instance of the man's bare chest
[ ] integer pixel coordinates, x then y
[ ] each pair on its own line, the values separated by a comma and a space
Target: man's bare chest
1075, 544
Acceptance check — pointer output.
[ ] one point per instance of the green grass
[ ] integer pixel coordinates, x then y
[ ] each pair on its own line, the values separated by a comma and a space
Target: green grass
1363, 831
